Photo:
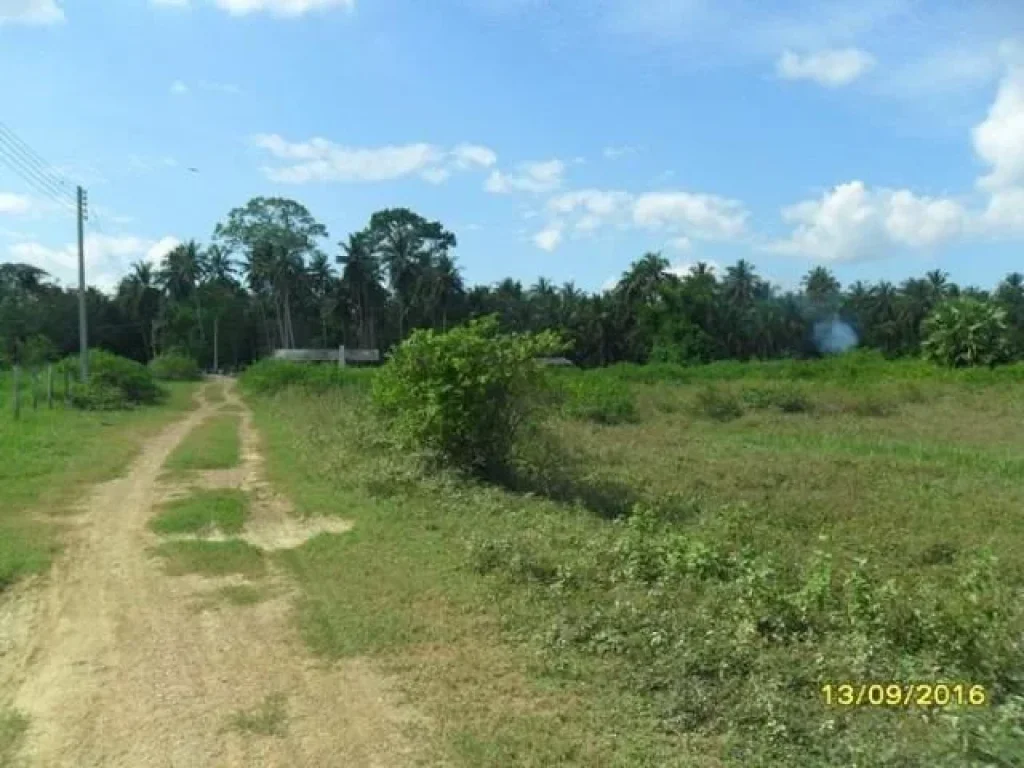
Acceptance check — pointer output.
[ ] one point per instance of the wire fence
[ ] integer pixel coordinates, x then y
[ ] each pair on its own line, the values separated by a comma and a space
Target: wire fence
30, 388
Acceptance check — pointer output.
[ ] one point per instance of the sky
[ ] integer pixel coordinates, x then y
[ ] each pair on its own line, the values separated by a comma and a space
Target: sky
563, 138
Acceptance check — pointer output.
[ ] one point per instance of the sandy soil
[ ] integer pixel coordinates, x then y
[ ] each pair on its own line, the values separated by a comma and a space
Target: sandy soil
114, 665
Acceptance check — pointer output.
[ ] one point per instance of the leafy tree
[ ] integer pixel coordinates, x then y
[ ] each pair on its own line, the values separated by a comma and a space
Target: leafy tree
966, 332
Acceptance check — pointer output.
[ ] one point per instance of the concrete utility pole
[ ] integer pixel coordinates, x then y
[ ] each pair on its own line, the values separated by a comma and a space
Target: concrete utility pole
83, 331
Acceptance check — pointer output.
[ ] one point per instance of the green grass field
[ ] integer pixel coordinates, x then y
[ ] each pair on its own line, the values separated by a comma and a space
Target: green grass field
203, 511
212, 558
214, 444
786, 531
48, 456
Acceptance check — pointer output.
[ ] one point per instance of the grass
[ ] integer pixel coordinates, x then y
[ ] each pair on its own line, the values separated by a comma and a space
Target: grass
12, 729
214, 444
243, 594
212, 558
832, 529
48, 457
268, 719
214, 393
204, 511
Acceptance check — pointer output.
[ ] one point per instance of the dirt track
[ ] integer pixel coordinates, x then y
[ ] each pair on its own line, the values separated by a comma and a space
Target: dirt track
116, 663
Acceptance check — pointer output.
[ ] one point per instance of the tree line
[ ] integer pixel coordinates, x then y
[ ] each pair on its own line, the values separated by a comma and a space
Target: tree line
264, 282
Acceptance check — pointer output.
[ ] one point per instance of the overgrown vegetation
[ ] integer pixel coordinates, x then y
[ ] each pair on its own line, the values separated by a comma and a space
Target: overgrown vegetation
791, 540
114, 382
214, 444
175, 366
203, 511
465, 396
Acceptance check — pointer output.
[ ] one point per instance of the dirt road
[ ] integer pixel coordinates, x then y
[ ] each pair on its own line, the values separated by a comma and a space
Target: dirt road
116, 663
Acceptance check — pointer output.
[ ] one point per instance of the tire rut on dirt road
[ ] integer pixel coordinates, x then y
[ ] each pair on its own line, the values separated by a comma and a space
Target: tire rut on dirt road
115, 665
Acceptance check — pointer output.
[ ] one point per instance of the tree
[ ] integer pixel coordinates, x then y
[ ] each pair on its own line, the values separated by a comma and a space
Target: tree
408, 246
966, 332
276, 236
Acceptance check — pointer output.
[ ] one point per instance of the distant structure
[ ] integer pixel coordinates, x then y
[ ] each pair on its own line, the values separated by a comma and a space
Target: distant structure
343, 356
559, 362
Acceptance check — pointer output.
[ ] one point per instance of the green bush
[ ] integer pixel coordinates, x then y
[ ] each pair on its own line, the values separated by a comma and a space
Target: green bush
268, 377
114, 382
175, 366
965, 333
463, 397
719, 404
593, 396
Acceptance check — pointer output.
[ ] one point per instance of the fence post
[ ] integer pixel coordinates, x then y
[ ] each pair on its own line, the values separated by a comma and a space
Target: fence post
34, 378
17, 391
67, 386
341, 356
49, 386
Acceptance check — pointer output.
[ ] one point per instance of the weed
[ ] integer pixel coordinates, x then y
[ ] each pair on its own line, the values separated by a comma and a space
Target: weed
268, 719
718, 404
214, 444
203, 511
212, 558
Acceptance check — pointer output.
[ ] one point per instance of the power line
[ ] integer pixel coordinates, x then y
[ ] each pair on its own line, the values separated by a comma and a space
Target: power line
36, 160
33, 179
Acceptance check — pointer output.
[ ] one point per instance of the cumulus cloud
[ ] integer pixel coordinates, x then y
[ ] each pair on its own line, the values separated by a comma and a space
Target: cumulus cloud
549, 238
543, 176
14, 205
701, 215
852, 222
321, 160
999, 138
107, 257
830, 68
30, 12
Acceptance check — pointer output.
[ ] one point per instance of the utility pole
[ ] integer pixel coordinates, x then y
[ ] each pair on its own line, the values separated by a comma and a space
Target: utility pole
216, 345
83, 331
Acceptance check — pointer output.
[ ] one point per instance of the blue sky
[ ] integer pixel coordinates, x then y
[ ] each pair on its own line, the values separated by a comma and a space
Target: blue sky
561, 138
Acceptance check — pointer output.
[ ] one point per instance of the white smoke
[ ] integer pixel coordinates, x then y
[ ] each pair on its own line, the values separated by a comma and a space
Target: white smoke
833, 336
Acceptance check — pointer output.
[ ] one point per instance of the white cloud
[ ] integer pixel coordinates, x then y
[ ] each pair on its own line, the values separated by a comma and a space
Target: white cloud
999, 139
831, 68
283, 8
12, 204
178, 88
474, 156
280, 8
852, 222
548, 239
682, 243
700, 215
1005, 211
107, 258
542, 176
322, 160
30, 12
595, 202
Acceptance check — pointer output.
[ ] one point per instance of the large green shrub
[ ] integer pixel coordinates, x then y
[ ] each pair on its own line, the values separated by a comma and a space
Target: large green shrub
966, 332
114, 382
175, 366
463, 396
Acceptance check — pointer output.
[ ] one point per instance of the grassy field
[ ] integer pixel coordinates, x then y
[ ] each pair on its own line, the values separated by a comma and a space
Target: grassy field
214, 444
697, 556
47, 457
203, 511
